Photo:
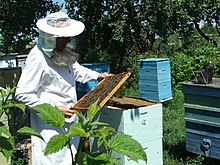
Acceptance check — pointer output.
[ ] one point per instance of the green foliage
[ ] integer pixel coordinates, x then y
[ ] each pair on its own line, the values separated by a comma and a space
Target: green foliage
18, 23
115, 29
87, 128
208, 53
182, 68
29, 131
49, 115
124, 144
190, 13
56, 143
6, 103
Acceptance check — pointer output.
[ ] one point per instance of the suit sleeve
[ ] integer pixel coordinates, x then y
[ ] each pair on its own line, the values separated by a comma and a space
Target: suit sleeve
83, 74
29, 82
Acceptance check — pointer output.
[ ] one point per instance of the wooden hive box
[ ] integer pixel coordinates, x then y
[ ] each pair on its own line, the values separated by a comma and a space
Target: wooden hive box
202, 116
9, 76
155, 79
101, 67
140, 118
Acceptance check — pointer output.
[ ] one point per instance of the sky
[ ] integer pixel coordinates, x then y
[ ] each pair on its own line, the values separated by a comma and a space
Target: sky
60, 2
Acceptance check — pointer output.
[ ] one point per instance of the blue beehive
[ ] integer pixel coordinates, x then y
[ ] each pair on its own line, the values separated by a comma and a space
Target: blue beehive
155, 79
101, 67
144, 122
202, 116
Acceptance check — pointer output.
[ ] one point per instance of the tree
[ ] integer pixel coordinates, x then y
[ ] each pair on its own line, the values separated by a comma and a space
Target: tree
115, 29
195, 11
18, 22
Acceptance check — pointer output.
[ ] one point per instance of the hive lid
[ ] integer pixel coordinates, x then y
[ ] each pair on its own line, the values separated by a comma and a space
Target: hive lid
130, 102
103, 91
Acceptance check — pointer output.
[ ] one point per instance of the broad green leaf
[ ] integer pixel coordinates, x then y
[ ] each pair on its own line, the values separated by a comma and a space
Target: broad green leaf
103, 158
7, 146
76, 129
55, 144
6, 143
93, 109
29, 131
7, 153
50, 115
18, 105
4, 130
126, 145
81, 158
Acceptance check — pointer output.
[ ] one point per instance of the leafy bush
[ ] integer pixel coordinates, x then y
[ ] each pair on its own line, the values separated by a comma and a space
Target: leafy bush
87, 128
182, 67
6, 108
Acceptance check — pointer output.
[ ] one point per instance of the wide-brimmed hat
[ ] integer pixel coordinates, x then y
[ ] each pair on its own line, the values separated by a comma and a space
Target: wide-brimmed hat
60, 25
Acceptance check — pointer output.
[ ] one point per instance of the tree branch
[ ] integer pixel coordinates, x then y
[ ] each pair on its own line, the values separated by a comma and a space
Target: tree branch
217, 26
207, 38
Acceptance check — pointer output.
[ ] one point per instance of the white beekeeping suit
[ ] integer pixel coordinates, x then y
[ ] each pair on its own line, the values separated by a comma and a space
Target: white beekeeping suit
46, 79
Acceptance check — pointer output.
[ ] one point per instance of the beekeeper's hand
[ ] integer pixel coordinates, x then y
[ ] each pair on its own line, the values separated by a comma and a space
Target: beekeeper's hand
66, 111
103, 75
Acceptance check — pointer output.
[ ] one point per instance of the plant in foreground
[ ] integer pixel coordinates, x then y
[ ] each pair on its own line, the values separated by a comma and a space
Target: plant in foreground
7, 105
87, 128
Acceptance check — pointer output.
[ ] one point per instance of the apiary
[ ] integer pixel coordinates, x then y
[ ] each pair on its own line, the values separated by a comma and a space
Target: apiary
155, 79
202, 116
83, 88
140, 118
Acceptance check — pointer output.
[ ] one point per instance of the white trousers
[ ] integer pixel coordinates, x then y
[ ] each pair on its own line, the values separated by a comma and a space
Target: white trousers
62, 157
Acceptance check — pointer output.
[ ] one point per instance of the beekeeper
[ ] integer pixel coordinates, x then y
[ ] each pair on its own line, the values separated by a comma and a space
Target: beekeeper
49, 76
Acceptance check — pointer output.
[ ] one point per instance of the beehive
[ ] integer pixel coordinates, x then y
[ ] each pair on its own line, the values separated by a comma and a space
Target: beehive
140, 118
9, 76
202, 116
101, 67
155, 79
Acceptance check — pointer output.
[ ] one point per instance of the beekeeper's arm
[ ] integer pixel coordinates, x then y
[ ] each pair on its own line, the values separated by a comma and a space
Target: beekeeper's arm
83, 74
29, 82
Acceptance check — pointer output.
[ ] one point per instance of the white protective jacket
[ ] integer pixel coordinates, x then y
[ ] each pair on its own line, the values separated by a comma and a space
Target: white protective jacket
42, 81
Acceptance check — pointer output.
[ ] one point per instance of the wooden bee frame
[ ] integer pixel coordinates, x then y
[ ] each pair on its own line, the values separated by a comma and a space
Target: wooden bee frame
103, 91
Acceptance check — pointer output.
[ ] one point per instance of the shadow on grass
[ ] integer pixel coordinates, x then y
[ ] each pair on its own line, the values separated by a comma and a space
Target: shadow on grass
179, 152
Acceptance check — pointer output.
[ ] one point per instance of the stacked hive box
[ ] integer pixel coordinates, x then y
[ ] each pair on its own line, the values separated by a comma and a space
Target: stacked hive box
155, 79
81, 88
144, 124
202, 109
9, 76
